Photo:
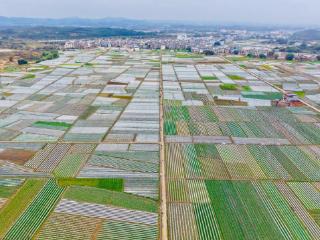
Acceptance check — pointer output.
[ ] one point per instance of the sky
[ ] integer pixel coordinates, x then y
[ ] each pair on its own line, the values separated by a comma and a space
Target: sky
295, 12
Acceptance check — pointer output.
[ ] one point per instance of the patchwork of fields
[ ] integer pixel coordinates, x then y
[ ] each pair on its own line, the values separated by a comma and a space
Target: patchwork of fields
237, 167
81, 147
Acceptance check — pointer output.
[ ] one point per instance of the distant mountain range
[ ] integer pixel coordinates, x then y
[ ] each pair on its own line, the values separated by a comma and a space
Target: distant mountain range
59, 33
74, 22
72, 28
148, 25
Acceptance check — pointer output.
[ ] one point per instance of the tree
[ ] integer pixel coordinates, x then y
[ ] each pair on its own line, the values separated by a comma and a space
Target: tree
208, 52
262, 56
289, 56
270, 54
318, 57
22, 62
48, 55
250, 55
188, 49
235, 51
55, 54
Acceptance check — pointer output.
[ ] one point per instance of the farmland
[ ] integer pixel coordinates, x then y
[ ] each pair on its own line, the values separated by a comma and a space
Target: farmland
79, 150
85, 142
18, 203
237, 166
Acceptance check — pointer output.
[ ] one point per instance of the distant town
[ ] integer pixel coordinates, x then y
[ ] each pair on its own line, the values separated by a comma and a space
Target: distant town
276, 44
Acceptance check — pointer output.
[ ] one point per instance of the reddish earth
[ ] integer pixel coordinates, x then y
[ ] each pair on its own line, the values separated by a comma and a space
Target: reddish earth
18, 156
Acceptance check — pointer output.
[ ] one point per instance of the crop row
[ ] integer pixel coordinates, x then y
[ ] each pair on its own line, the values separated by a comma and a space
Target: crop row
66, 226
36, 213
121, 163
106, 212
207, 113
73, 160
106, 197
241, 162
124, 230
233, 129
215, 209
307, 193
236, 205
54, 158
298, 208
18, 203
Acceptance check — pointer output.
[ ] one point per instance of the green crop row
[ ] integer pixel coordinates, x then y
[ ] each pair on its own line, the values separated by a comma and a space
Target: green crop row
118, 199
254, 211
31, 219
114, 184
18, 203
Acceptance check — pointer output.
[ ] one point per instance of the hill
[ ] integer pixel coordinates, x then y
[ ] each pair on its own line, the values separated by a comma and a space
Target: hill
57, 33
307, 35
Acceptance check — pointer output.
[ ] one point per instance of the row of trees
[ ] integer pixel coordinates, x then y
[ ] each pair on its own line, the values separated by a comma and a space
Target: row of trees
289, 56
46, 55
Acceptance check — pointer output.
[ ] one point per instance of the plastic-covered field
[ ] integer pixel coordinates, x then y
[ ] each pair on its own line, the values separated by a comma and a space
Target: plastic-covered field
236, 166
80, 146
86, 126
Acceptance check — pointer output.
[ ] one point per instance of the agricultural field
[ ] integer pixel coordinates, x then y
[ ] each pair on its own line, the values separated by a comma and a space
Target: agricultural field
300, 78
237, 166
79, 147
86, 138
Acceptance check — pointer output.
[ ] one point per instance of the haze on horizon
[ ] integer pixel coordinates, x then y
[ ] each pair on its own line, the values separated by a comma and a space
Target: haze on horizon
291, 12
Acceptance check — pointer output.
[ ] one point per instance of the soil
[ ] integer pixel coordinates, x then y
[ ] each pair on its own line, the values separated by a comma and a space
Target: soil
18, 156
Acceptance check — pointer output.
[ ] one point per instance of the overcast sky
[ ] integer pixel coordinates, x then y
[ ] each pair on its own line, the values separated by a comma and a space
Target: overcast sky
235, 11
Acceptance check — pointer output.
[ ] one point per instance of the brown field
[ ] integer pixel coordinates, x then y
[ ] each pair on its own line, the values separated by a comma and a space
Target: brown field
17, 156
